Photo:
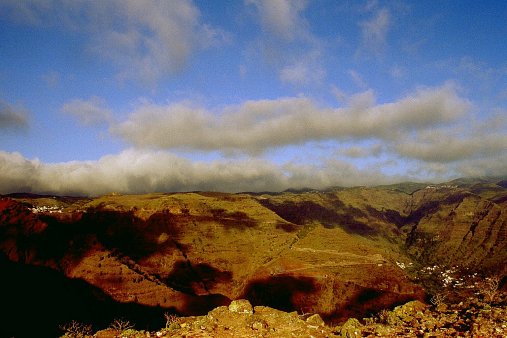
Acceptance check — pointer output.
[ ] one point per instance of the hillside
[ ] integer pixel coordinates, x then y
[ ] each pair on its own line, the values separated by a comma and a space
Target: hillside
341, 253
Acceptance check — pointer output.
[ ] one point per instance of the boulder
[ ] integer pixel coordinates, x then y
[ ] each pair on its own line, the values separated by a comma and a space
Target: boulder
241, 306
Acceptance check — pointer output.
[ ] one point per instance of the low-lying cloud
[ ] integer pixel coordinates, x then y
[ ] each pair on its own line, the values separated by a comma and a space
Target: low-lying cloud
134, 171
142, 171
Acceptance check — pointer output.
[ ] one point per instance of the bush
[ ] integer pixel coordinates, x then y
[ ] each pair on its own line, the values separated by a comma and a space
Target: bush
121, 325
75, 329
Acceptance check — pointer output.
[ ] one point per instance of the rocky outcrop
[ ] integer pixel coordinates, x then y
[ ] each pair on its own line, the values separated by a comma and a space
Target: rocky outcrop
413, 319
240, 319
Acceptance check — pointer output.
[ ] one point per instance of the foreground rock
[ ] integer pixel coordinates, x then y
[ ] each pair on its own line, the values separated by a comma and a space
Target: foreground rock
239, 319
413, 319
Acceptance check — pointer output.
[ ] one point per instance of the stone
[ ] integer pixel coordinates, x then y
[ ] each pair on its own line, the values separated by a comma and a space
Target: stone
351, 328
315, 320
259, 325
241, 306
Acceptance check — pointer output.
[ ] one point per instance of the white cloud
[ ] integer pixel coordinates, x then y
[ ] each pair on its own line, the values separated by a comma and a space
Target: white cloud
362, 100
286, 43
52, 79
12, 117
374, 32
281, 18
88, 112
445, 146
134, 171
256, 126
16, 173
144, 39
305, 71
338, 93
357, 79
153, 37
397, 72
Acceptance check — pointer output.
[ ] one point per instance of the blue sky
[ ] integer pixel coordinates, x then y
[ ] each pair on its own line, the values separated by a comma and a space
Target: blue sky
136, 96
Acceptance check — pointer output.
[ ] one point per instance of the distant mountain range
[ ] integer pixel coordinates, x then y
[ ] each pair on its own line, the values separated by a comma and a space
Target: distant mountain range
341, 252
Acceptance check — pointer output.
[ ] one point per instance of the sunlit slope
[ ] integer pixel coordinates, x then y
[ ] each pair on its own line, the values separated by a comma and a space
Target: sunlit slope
339, 252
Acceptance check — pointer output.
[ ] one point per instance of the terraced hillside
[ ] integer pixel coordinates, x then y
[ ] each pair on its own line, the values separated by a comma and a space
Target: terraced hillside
340, 253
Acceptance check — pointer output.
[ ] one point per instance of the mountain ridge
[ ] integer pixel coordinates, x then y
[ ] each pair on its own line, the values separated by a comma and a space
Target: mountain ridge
340, 253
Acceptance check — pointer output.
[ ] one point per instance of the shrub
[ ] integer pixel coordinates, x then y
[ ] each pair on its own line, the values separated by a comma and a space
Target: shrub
489, 288
438, 299
75, 329
383, 316
121, 325
170, 319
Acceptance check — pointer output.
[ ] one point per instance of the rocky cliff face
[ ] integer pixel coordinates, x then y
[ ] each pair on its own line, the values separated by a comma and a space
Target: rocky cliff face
339, 253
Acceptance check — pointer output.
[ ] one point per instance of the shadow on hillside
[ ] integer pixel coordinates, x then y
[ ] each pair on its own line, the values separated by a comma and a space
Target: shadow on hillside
36, 300
230, 219
193, 279
365, 302
287, 226
289, 293
122, 231
339, 215
279, 292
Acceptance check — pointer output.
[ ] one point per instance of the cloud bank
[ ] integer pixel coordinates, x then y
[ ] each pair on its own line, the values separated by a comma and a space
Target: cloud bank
135, 171
143, 171
428, 133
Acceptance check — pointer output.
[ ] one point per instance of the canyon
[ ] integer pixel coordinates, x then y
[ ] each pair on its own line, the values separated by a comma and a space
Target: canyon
340, 252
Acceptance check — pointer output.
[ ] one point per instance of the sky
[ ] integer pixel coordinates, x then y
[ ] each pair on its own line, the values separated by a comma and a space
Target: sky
136, 96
